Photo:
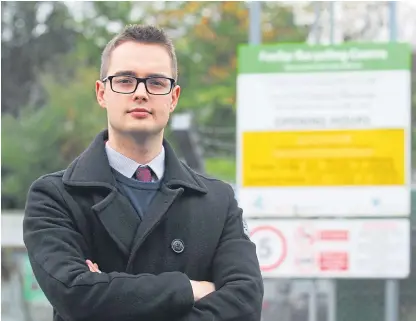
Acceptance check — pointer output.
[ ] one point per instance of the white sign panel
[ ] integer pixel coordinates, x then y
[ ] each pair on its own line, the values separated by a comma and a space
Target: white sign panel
357, 248
324, 131
12, 229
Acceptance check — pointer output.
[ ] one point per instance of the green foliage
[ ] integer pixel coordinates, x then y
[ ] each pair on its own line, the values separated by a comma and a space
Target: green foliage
221, 168
33, 35
47, 139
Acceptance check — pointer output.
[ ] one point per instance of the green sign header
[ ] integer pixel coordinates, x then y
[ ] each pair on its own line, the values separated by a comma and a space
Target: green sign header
296, 58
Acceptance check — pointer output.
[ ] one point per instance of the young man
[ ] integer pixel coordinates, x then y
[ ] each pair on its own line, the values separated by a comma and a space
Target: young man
127, 231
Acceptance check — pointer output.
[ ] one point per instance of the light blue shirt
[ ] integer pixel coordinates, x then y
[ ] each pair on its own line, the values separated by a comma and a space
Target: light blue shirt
127, 167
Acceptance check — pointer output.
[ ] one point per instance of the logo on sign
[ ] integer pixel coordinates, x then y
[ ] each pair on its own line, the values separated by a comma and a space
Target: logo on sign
258, 203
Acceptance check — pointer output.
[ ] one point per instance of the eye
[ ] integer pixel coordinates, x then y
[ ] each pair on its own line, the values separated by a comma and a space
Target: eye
124, 80
156, 82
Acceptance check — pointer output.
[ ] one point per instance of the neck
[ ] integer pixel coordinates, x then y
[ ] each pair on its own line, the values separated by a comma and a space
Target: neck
140, 149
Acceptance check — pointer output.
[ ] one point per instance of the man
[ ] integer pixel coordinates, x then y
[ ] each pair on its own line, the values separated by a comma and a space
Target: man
127, 231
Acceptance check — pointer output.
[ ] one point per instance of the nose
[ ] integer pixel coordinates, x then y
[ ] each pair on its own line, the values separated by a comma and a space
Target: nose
140, 93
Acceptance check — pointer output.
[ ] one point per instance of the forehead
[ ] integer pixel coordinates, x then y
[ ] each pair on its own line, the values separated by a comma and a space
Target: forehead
141, 59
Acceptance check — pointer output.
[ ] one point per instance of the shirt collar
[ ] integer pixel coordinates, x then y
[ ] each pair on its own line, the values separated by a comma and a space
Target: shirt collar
128, 167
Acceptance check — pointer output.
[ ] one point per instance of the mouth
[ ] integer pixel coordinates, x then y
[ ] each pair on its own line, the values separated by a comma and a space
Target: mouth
139, 110
139, 113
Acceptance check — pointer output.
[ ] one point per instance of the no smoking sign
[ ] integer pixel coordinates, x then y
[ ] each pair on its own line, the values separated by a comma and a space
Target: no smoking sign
270, 247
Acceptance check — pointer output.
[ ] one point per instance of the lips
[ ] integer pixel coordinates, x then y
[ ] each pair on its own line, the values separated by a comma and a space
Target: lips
139, 113
139, 110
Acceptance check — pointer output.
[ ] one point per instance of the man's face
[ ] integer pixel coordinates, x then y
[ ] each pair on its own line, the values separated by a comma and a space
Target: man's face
139, 112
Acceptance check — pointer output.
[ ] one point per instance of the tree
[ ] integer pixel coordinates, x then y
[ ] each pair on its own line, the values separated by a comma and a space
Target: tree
33, 34
47, 139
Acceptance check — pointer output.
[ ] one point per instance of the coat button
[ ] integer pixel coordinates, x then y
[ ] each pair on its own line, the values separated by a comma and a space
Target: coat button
177, 246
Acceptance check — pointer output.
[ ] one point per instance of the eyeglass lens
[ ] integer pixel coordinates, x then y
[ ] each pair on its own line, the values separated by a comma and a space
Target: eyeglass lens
126, 84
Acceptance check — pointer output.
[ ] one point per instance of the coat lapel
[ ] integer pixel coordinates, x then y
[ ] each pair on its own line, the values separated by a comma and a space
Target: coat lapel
92, 173
153, 216
119, 219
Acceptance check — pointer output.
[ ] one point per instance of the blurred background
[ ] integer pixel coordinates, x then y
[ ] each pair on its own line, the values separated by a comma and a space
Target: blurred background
50, 59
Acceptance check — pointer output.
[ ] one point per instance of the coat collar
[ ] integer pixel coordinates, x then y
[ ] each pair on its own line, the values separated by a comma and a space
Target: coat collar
91, 169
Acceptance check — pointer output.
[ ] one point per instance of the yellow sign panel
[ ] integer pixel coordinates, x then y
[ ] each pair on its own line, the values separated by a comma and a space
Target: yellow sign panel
324, 158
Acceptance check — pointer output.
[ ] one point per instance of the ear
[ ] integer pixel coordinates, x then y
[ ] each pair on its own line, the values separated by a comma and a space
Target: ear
176, 92
99, 92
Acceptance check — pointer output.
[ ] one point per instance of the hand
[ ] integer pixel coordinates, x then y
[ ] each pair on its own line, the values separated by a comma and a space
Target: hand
201, 289
93, 266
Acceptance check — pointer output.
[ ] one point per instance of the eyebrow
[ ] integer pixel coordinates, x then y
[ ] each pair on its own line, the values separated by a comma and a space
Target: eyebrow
132, 73
125, 73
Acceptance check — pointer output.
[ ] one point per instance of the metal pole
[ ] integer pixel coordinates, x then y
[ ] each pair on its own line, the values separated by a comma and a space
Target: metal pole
313, 303
315, 27
254, 36
392, 286
392, 300
332, 300
331, 22
393, 20
332, 295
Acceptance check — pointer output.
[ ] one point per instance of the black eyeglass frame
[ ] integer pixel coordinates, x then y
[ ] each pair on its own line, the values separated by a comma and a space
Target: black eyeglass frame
139, 81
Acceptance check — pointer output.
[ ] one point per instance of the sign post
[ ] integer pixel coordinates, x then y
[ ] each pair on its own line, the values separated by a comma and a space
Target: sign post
392, 286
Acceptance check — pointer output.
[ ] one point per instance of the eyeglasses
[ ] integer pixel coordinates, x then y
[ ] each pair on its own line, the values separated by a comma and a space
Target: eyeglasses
129, 84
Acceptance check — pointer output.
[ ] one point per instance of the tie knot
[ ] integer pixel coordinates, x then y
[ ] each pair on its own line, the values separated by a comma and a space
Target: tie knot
144, 174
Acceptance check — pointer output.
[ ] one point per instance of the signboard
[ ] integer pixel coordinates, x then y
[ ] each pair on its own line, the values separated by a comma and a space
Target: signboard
352, 248
324, 130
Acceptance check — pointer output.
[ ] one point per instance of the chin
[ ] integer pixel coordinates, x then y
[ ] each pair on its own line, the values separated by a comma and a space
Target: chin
144, 131
136, 129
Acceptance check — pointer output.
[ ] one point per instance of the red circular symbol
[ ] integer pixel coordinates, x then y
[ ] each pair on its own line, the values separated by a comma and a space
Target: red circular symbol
276, 246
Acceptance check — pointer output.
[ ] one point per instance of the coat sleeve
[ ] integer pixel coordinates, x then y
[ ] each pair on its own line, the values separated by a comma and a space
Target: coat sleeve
57, 252
236, 274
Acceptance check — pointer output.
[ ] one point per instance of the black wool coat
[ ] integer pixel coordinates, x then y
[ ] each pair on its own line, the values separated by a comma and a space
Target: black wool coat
193, 229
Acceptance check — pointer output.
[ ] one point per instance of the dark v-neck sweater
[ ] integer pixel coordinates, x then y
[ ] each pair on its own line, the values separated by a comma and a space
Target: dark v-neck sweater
139, 193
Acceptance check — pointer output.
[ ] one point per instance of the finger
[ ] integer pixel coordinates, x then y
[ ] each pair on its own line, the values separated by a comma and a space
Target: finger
96, 267
91, 266
89, 263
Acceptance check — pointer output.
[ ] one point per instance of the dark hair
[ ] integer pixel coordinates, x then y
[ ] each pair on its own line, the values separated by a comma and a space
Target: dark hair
141, 34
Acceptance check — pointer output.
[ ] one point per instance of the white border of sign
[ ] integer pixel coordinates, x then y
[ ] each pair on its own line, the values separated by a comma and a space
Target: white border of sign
259, 108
